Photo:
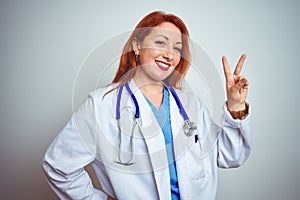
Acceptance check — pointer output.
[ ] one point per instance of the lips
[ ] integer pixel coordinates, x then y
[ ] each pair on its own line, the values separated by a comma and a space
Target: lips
162, 65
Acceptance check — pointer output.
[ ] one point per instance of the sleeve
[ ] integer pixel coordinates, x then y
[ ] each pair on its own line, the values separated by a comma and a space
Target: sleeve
66, 157
234, 143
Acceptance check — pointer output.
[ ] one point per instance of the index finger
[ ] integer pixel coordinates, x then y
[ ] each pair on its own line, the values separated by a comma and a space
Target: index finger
226, 67
239, 65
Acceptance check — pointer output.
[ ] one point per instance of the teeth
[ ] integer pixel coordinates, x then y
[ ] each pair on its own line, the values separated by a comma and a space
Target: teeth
163, 65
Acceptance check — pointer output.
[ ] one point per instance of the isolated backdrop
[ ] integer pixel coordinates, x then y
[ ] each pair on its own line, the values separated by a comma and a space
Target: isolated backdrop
44, 43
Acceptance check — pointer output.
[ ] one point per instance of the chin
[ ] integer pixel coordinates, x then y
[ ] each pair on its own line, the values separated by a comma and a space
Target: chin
160, 78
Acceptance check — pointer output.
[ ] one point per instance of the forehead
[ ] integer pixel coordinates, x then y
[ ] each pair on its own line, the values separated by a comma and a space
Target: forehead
168, 30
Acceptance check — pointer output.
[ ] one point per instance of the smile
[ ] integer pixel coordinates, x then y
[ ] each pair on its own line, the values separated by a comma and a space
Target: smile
162, 65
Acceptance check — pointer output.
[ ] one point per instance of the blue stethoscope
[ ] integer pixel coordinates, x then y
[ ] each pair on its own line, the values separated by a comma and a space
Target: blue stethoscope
188, 127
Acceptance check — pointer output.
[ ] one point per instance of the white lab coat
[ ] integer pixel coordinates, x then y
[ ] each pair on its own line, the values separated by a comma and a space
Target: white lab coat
91, 136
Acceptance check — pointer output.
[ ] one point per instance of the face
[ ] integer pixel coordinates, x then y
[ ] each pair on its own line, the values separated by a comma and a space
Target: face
159, 52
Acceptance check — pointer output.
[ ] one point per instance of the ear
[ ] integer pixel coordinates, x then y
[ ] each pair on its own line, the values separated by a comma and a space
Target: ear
136, 46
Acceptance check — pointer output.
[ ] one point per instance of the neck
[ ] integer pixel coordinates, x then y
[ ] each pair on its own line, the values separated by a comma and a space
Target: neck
149, 87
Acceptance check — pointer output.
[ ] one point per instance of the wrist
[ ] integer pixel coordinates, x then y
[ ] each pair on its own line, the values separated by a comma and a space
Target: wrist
236, 106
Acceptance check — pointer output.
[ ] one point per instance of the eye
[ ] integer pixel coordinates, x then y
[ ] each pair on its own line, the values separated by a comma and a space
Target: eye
178, 50
161, 43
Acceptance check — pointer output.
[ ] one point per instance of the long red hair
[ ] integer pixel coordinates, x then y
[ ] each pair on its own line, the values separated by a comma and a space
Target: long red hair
128, 61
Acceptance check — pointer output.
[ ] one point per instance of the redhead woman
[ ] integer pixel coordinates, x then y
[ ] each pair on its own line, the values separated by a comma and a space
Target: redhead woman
145, 135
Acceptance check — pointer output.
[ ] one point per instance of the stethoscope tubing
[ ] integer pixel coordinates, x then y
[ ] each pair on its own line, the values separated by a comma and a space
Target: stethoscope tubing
188, 128
118, 110
178, 102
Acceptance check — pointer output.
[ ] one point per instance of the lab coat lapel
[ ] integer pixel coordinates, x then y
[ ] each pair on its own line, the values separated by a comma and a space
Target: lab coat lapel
154, 140
176, 118
181, 141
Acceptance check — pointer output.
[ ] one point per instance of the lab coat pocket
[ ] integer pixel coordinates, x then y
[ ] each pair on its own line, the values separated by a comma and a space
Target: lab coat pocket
196, 169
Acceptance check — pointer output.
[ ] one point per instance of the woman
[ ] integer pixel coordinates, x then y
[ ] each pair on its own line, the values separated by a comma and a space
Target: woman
146, 137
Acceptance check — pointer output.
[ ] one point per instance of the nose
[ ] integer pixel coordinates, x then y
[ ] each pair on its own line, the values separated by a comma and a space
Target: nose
168, 54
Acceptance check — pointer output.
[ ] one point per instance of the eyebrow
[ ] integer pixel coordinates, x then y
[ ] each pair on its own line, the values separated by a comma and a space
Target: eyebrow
167, 38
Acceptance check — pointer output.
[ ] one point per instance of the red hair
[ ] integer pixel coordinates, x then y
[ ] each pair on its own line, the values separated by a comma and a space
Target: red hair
128, 60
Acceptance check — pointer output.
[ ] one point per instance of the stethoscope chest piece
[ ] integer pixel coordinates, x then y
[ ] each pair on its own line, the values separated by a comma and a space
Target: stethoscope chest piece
189, 128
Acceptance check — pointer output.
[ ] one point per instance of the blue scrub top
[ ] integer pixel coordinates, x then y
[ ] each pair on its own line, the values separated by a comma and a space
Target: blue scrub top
163, 118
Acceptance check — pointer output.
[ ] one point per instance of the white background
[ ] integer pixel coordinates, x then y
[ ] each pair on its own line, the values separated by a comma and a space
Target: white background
43, 44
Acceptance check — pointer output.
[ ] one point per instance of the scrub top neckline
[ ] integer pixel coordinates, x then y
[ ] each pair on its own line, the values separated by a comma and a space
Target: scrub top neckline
164, 100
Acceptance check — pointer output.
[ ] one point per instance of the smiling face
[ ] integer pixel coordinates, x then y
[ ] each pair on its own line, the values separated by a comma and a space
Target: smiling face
159, 52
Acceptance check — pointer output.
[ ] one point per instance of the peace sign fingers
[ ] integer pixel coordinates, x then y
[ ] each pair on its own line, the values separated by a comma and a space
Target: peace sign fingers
236, 85
238, 68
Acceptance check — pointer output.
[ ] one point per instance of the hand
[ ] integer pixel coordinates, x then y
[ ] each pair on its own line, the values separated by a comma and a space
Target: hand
236, 85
